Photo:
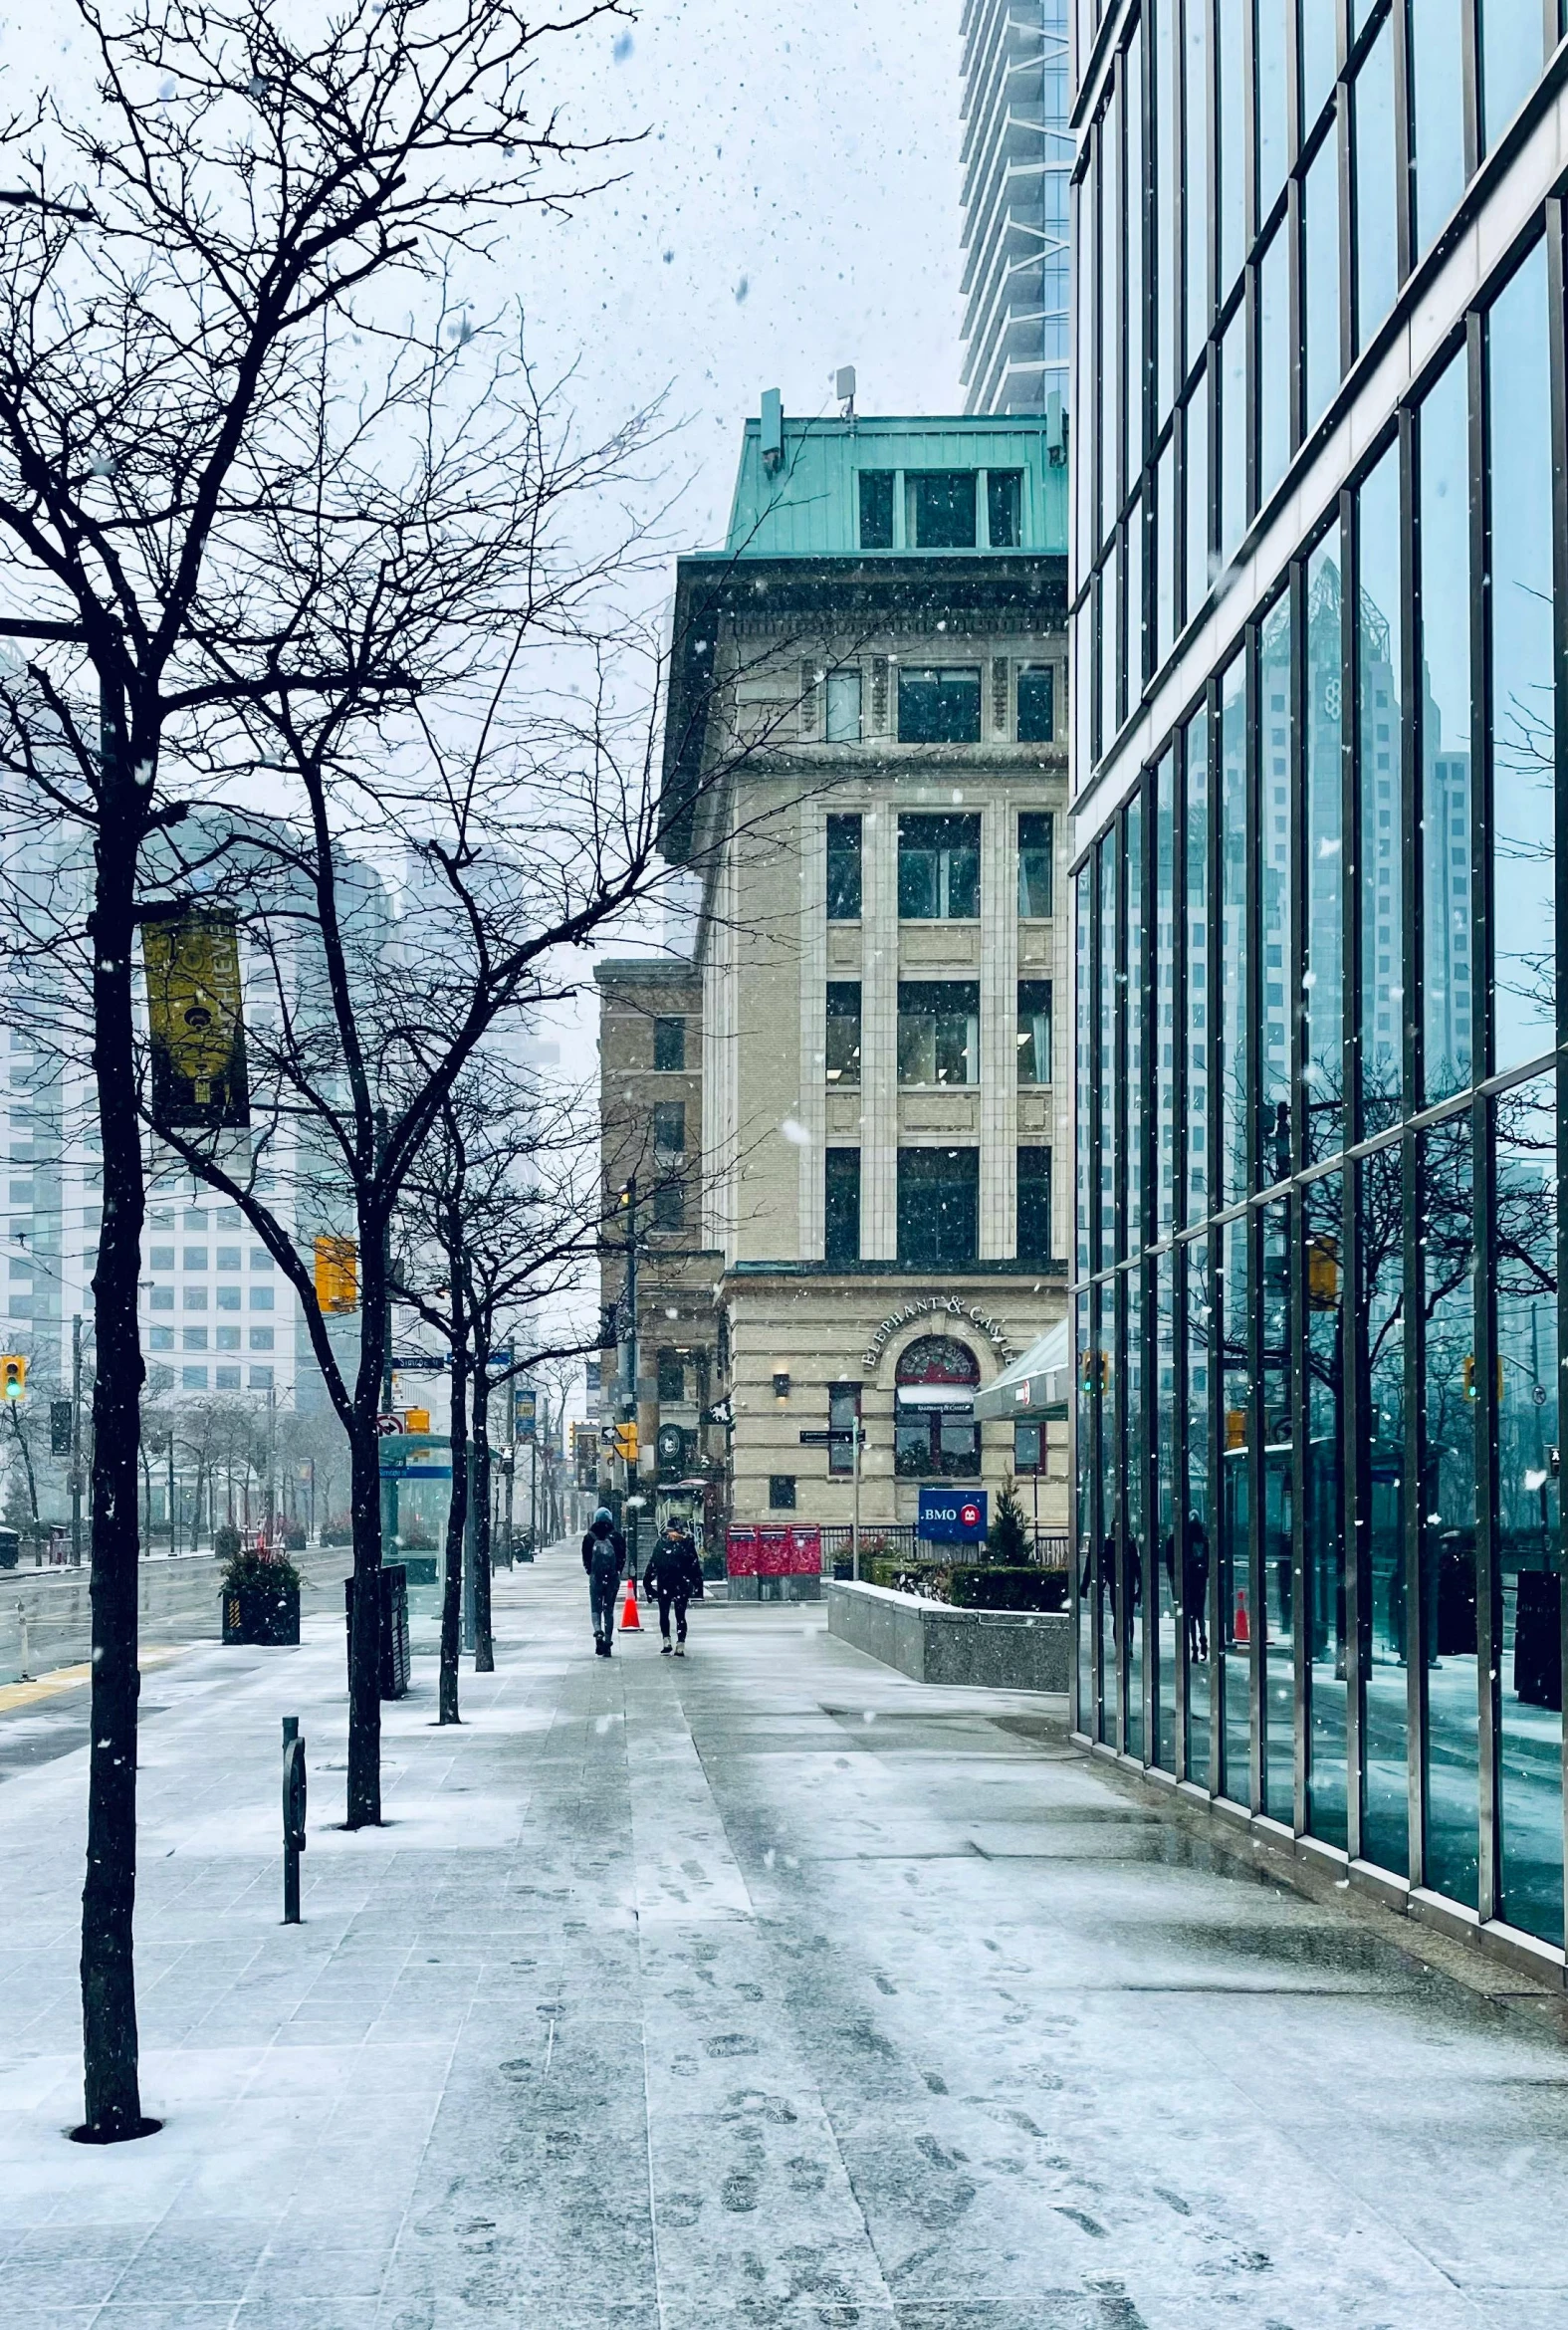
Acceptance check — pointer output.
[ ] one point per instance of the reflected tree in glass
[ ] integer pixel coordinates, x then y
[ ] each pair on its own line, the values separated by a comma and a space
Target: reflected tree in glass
1380, 1188
1445, 1228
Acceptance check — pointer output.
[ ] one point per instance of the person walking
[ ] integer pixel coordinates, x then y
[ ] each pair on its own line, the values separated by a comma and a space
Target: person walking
605, 1558
674, 1573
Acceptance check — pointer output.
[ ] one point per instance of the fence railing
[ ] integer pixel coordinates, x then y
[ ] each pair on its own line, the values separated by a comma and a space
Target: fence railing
897, 1542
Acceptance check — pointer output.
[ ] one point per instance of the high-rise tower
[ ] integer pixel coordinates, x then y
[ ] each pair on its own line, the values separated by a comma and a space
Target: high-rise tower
1018, 161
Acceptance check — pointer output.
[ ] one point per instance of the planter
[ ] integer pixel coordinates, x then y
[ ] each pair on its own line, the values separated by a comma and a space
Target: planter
262, 1615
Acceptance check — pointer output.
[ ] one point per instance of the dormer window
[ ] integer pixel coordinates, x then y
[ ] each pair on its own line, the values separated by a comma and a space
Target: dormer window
939, 509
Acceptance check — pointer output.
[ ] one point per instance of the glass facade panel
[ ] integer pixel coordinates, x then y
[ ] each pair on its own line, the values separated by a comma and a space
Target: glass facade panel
1111, 328
1378, 786
1278, 1500
1386, 1632
1446, 1264
1165, 1060
1134, 379
1323, 940
1084, 1023
1162, 1647
1377, 241
1529, 1509
1511, 61
1525, 737
1318, 38
1274, 111
1200, 210
1232, 141
1323, 1504
1110, 1081
1196, 479
1275, 860
1165, 554
1235, 904
1137, 621
1137, 974
1443, 603
1164, 15
1107, 1512
1082, 1583
1320, 277
1197, 1531
1234, 1618
1232, 435
1135, 1536
1436, 77
1273, 362
1197, 967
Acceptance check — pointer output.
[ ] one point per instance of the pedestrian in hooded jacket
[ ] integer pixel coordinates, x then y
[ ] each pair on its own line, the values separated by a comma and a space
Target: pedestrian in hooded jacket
674, 1573
603, 1557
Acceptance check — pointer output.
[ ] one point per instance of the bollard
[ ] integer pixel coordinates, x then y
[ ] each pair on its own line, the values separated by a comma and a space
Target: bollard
23, 1645
294, 1789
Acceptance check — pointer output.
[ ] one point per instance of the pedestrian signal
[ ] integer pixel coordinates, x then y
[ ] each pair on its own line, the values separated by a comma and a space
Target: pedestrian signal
13, 1377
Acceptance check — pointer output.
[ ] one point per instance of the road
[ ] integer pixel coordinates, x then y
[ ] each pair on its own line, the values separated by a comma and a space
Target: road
763, 1988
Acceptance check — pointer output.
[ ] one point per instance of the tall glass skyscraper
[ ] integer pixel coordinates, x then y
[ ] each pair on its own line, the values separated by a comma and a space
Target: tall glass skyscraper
1017, 164
1320, 539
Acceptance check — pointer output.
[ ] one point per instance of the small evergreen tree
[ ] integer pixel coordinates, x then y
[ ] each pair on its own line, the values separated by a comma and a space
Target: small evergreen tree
1008, 1536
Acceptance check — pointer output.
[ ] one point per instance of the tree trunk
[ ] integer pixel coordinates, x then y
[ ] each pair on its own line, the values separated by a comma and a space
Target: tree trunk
484, 1639
456, 1519
112, 2087
364, 1633
27, 1467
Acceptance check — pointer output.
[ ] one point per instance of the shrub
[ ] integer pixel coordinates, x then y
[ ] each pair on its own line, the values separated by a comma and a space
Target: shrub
294, 1537
337, 1533
226, 1541
261, 1572
1007, 1538
993, 1589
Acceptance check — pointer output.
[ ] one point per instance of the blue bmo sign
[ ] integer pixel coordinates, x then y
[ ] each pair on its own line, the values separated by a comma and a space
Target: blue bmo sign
952, 1516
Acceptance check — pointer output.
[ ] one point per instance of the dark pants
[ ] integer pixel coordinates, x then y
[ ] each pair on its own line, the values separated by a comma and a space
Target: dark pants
680, 1600
603, 1589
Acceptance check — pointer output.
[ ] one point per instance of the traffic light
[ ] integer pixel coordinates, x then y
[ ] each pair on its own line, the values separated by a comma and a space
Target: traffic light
336, 1276
60, 1428
13, 1376
626, 1443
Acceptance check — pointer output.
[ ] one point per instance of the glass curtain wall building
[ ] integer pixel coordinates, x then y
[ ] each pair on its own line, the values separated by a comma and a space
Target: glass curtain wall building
1320, 542
1018, 163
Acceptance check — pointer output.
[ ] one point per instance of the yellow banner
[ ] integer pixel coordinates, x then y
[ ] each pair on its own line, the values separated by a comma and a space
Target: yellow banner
195, 1020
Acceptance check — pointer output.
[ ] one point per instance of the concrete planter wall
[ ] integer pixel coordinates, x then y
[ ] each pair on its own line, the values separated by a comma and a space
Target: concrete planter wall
997, 1650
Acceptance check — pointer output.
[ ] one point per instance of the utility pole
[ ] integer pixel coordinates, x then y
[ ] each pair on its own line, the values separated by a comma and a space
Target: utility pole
173, 1536
76, 1440
629, 1371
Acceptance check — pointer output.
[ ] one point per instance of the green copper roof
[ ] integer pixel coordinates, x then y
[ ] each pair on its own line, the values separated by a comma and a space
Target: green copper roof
809, 504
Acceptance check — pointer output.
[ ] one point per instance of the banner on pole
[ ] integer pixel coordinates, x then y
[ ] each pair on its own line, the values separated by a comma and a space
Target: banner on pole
196, 1018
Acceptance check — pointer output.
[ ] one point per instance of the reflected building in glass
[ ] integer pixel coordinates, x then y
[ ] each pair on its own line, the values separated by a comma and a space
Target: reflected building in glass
1320, 762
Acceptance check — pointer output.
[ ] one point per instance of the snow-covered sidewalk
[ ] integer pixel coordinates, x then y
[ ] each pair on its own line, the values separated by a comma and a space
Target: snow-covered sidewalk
762, 1988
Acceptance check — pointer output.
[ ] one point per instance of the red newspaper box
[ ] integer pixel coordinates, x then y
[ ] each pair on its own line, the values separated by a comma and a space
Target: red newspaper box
806, 1552
740, 1552
772, 1551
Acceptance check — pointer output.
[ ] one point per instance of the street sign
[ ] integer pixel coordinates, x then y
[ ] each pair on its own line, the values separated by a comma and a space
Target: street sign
953, 1517
816, 1439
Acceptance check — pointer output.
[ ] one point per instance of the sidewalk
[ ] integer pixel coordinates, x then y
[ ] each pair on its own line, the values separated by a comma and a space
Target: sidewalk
763, 1988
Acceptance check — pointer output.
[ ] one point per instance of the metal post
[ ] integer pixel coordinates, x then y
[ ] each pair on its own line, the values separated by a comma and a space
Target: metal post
76, 1440
470, 1532
294, 1789
174, 1537
628, 1404
854, 1511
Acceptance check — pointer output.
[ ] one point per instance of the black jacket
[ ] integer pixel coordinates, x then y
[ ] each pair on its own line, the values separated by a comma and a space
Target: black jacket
673, 1567
608, 1542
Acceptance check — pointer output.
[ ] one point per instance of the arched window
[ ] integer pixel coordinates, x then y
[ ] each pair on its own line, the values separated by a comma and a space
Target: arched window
934, 1432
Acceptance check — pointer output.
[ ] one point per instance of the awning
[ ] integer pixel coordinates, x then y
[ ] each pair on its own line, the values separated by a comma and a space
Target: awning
1036, 1388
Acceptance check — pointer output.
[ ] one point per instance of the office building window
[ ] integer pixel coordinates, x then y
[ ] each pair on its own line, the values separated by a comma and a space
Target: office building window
672, 1375
1037, 704
225, 1379
939, 509
228, 1297
1034, 1031
841, 1240
227, 1338
669, 1131
1003, 507
160, 1338
669, 1044
260, 1379
161, 1378
1028, 1448
934, 1429
261, 1297
937, 706
876, 509
195, 1298
843, 870
843, 1418
193, 1378
1036, 849
261, 1338
937, 1032
1034, 1206
159, 1258
261, 1259
843, 707
780, 1491
669, 1204
937, 869
228, 1258
161, 1298
193, 1338
843, 1030
195, 1258
938, 1208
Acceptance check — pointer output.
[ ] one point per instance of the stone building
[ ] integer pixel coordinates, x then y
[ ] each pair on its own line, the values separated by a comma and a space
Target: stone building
865, 763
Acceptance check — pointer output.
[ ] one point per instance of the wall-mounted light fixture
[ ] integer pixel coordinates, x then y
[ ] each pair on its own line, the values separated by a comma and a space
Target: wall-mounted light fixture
781, 1384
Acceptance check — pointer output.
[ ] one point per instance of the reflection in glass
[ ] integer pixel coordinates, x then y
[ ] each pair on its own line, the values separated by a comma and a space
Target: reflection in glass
1386, 1630
1167, 1423
1085, 1023
1436, 72
1110, 1082
1165, 167
1082, 1568
1197, 885
1279, 1613
1111, 312
1446, 1230
1274, 111
1377, 253
1195, 480
1510, 61
1320, 282
1235, 908
1322, 1226
1234, 1616
1165, 552
1317, 61
1135, 1541
1137, 624
1382, 877
1165, 989
1444, 584
1232, 435
1110, 646
1137, 1012
1199, 209
1108, 1520
1276, 886
1323, 940
1274, 366
1133, 263
1529, 1528
1524, 735
1196, 1535
1231, 142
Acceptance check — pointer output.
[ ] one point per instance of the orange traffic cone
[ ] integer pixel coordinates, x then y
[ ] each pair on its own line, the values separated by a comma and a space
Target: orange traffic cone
1243, 1631
630, 1623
